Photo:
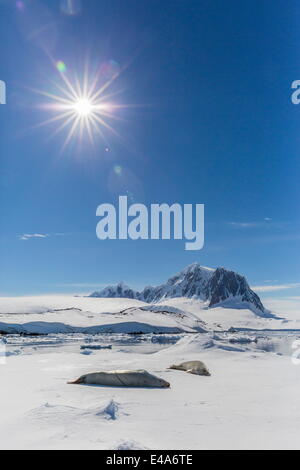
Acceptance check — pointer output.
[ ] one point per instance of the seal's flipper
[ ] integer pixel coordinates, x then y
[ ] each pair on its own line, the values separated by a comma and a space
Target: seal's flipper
192, 371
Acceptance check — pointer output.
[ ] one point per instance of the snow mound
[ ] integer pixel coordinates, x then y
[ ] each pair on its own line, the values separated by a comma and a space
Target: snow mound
193, 343
16, 352
129, 445
58, 414
197, 343
110, 411
129, 327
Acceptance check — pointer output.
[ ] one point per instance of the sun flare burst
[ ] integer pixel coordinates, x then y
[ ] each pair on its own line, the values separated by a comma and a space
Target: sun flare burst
82, 107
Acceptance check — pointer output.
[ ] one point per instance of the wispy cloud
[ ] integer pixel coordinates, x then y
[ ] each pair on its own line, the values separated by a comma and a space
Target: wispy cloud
28, 236
275, 287
292, 297
246, 224
266, 222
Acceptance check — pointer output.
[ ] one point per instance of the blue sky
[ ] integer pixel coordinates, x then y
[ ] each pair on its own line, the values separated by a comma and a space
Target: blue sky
212, 123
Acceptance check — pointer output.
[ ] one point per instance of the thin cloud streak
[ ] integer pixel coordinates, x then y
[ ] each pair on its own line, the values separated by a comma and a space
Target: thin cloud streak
266, 223
277, 287
247, 224
29, 236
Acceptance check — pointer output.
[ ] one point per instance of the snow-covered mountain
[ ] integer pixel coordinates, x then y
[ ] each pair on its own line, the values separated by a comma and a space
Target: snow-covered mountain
119, 291
215, 286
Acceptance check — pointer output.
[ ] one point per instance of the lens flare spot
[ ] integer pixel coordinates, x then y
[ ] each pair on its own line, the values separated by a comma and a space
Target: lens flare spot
70, 7
20, 5
130, 196
61, 66
109, 69
118, 169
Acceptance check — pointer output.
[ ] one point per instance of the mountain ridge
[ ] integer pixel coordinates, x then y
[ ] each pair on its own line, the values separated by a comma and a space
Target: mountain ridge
216, 286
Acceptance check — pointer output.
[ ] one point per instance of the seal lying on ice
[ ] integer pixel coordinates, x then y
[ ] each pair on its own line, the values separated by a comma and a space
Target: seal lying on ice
192, 367
122, 378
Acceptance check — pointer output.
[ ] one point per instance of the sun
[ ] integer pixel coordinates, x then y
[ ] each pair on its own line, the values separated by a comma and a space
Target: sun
82, 107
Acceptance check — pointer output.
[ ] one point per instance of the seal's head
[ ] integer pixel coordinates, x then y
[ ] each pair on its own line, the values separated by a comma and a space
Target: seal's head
154, 381
81, 380
206, 372
163, 383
